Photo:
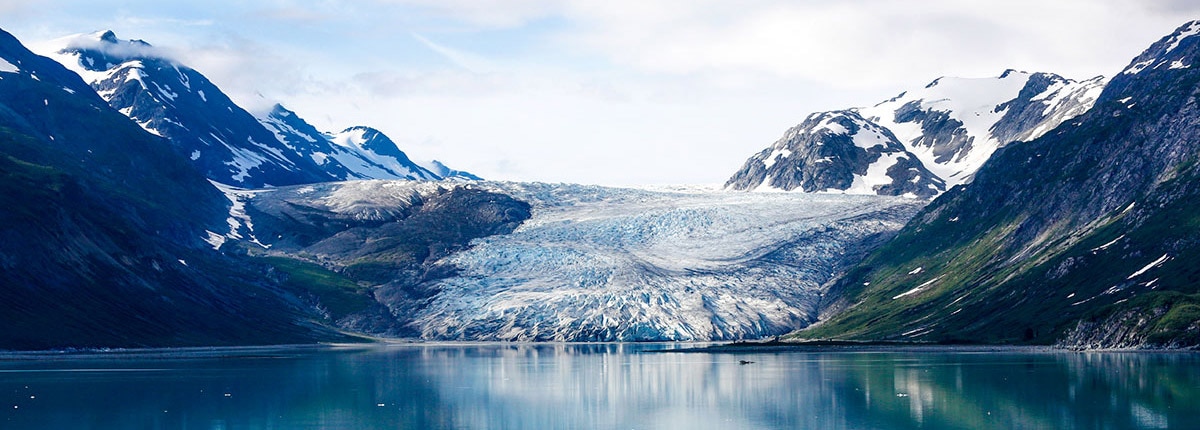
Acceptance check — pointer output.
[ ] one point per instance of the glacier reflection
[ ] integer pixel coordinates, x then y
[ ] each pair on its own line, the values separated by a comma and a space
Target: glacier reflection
555, 386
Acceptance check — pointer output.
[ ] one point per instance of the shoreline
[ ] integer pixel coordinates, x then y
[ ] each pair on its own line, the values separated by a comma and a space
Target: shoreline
737, 347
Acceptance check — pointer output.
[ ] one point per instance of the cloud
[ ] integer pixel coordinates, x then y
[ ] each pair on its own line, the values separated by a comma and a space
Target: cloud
13, 6
1174, 6
254, 75
614, 92
159, 21
485, 13
293, 14
465, 60
118, 49
846, 43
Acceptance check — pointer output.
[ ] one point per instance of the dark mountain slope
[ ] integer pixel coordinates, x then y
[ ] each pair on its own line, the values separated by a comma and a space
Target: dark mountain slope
101, 229
1095, 221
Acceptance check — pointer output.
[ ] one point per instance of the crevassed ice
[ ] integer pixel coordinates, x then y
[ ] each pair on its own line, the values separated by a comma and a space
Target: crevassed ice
603, 264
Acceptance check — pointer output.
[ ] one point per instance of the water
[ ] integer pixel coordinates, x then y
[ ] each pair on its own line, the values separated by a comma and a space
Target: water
607, 386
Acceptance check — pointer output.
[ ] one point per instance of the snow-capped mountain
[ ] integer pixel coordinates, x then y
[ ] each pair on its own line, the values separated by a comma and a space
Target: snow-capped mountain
1086, 236
224, 141
955, 124
446, 172
843, 152
951, 126
369, 144
102, 226
354, 153
171, 100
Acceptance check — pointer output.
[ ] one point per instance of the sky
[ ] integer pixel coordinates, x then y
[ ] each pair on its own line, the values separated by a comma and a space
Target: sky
617, 92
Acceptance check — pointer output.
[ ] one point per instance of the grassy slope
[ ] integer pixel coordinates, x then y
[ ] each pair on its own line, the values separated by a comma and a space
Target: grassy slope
1019, 256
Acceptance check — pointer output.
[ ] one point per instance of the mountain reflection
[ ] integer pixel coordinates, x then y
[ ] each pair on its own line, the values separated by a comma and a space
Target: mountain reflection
558, 386
611, 386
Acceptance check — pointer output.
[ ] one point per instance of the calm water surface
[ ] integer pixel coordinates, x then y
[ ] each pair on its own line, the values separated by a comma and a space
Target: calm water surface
607, 386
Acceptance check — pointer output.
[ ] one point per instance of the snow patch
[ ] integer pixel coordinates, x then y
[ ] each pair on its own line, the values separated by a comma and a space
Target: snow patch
1152, 265
237, 214
1193, 29
214, 239
165, 91
876, 175
1105, 246
7, 67
778, 153
1138, 67
918, 289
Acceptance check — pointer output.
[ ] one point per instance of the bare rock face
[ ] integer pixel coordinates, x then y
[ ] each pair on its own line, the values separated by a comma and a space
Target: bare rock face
838, 152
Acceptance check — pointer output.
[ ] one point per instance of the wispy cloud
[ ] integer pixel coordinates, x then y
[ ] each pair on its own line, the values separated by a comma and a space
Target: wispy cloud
486, 13
137, 20
293, 14
471, 62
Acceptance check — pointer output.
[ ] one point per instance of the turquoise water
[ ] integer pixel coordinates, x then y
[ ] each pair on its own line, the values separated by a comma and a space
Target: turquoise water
606, 386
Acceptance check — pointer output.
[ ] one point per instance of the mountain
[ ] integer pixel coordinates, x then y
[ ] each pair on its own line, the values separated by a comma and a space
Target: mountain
355, 153
104, 227
955, 124
945, 131
1086, 236
445, 172
839, 151
224, 141
369, 144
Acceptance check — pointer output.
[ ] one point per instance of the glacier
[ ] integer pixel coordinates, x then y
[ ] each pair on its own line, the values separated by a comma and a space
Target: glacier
611, 264
511, 261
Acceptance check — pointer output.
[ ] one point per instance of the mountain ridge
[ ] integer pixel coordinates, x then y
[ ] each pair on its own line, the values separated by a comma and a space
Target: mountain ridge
223, 140
948, 128
1071, 238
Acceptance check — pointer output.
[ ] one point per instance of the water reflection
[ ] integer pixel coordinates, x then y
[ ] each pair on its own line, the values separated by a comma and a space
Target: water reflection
602, 386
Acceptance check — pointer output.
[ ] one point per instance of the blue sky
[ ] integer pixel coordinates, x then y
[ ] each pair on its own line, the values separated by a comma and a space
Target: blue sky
603, 92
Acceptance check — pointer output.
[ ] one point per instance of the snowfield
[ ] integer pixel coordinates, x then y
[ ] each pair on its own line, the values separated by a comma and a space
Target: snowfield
609, 264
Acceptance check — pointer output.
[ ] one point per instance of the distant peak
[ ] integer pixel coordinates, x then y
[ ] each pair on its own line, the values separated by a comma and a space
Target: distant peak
361, 129
109, 36
1011, 71
279, 110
